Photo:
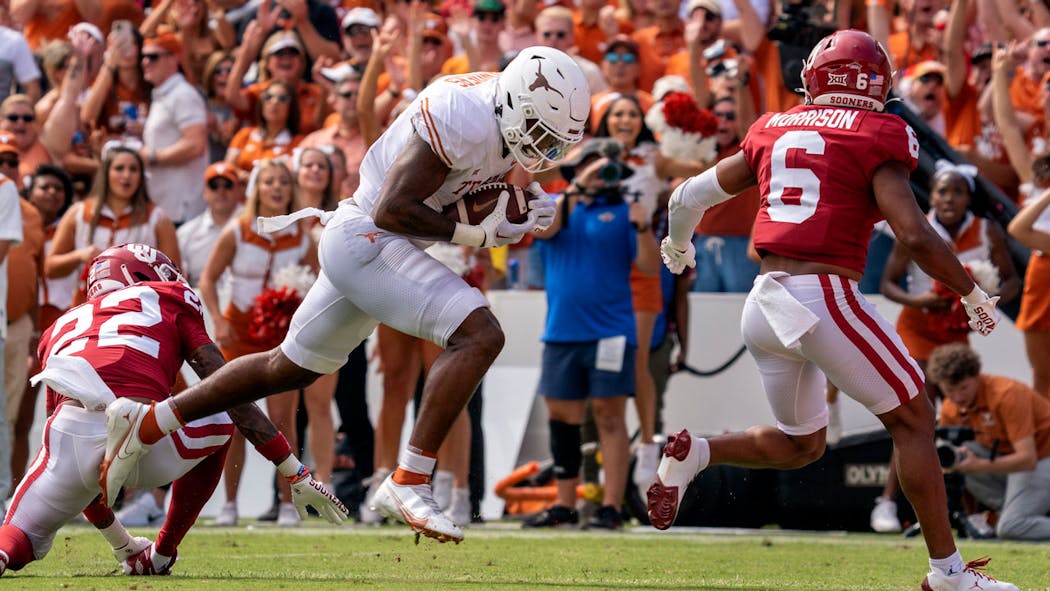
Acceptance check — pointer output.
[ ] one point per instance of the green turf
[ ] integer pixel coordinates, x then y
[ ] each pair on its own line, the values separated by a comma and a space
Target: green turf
497, 557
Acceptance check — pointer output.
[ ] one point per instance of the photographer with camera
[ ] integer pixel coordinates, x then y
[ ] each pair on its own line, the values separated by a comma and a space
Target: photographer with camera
590, 338
1007, 465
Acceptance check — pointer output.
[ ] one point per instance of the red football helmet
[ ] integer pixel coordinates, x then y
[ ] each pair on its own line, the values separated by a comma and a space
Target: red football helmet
848, 68
128, 264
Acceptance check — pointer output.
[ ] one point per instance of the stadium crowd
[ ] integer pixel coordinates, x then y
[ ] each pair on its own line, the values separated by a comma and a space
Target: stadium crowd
176, 123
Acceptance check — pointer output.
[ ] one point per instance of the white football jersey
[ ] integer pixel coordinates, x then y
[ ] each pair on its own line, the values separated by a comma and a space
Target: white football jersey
456, 117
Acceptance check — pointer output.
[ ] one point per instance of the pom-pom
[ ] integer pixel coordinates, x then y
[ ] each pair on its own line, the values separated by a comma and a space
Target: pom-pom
273, 309
686, 131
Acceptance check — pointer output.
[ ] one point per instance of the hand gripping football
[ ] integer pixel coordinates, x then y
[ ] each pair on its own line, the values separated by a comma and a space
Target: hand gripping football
475, 206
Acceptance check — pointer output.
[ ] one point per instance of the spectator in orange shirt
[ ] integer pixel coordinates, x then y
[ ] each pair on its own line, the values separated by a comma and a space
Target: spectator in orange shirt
45, 21
921, 40
276, 129
622, 70
595, 26
1026, 86
660, 41
1007, 465
344, 133
119, 91
283, 58
922, 88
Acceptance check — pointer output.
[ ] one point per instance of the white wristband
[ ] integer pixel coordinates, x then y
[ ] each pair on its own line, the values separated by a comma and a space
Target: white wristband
975, 297
468, 235
290, 466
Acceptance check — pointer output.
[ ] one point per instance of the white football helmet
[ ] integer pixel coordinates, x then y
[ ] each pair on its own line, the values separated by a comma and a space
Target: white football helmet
542, 101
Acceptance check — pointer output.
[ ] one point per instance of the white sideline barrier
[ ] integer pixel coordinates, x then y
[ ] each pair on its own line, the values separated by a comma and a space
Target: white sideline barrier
732, 400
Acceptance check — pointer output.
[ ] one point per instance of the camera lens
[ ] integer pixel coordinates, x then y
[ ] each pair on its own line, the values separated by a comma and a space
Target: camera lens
610, 173
947, 454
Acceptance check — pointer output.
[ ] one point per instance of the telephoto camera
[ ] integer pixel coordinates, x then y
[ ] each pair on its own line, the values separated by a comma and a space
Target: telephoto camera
797, 31
949, 442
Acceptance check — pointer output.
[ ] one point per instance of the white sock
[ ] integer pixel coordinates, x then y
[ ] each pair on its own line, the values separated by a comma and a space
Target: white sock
116, 535
951, 565
413, 460
159, 560
704, 451
167, 421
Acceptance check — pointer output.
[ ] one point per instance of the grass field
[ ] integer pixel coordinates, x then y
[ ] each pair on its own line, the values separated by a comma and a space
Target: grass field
500, 556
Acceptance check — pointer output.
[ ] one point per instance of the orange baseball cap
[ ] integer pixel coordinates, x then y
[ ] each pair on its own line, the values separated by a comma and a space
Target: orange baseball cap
221, 169
7, 144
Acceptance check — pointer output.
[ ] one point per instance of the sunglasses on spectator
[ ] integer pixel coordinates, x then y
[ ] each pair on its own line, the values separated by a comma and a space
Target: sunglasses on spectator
349, 94
433, 41
727, 115
557, 34
627, 58
281, 98
931, 77
353, 30
483, 16
1042, 42
149, 57
25, 117
223, 69
710, 17
220, 183
12, 162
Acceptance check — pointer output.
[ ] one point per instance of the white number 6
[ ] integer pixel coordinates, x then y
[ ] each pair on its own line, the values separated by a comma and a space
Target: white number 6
782, 177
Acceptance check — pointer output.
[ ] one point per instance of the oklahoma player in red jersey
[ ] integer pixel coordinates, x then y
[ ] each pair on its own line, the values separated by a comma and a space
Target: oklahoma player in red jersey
129, 340
827, 171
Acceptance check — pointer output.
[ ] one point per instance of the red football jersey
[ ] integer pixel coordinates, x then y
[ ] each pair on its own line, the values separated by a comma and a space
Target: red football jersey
135, 338
814, 166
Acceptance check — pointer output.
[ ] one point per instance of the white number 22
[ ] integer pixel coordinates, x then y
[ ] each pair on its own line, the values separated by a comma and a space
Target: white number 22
782, 177
109, 334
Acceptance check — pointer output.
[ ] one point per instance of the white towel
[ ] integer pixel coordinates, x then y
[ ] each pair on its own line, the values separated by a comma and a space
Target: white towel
280, 222
788, 318
75, 378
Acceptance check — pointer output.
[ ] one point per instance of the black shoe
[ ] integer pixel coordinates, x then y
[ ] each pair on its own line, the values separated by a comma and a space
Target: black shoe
555, 516
606, 517
270, 515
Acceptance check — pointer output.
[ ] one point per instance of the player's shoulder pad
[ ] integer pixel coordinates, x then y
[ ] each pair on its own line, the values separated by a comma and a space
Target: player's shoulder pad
894, 139
179, 294
454, 121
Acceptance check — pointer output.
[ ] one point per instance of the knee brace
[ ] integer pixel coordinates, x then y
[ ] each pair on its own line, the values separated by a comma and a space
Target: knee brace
565, 447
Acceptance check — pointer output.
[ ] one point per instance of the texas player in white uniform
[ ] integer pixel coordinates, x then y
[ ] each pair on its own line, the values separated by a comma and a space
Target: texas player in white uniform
827, 171
141, 321
460, 132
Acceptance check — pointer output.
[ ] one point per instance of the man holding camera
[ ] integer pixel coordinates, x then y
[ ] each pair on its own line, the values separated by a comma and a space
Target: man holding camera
589, 340
1007, 465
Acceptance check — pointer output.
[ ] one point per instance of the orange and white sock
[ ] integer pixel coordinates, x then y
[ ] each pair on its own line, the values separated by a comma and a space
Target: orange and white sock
415, 466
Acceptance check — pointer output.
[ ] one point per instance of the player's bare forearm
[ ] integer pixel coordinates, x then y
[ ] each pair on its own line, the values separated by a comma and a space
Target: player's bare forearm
253, 424
415, 175
206, 360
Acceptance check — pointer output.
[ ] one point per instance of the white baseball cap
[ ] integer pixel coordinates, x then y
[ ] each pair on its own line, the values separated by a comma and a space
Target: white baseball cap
361, 16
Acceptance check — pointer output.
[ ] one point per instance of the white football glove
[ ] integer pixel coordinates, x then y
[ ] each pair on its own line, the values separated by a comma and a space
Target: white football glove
983, 316
541, 203
307, 492
499, 231
677, 256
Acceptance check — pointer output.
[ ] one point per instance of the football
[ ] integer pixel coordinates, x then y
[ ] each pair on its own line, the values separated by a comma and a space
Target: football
479, 203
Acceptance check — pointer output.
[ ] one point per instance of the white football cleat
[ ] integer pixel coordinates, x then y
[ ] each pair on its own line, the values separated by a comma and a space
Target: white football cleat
123, 446
884, 516
413, 504
971, 577
678, 466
